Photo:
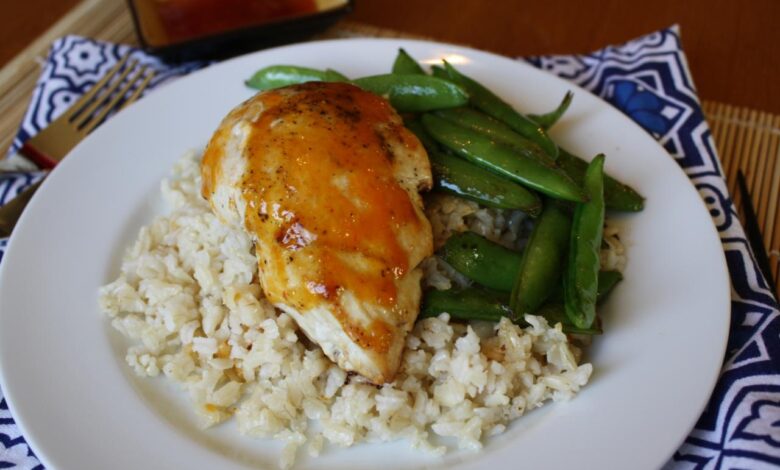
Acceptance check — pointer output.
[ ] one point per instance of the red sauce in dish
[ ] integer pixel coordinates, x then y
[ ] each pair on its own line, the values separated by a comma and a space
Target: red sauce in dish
173, 21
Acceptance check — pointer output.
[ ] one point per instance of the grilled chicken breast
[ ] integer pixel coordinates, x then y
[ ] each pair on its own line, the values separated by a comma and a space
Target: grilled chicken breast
326, 179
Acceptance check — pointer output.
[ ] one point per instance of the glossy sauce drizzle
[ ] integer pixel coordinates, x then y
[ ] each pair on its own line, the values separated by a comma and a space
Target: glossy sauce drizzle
321, 187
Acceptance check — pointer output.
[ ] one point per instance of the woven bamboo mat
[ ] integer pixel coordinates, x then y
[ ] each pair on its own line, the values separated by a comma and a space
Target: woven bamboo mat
746, 139
749, 140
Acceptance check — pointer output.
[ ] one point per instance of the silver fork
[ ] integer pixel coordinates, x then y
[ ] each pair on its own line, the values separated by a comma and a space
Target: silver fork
47, 148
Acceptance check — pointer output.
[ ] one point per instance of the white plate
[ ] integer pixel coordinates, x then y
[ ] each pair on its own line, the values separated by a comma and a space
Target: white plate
80, 407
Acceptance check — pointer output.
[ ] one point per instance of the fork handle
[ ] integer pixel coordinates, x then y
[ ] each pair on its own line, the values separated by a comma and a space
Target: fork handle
10, 212
39, 158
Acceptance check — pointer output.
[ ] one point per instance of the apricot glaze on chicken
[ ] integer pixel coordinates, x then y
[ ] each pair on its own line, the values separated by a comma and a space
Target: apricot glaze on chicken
326, 179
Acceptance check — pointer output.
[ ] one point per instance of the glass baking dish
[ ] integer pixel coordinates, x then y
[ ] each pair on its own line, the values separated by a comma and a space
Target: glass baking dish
179, 30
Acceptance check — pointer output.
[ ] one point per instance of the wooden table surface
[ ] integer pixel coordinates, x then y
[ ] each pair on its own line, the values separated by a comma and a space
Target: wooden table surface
731, 45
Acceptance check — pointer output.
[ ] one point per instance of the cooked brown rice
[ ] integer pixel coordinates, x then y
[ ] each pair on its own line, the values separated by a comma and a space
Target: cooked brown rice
187, 295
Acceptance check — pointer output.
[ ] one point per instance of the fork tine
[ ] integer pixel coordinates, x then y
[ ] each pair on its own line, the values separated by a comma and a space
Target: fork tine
112, 105
78, 105
140, 89
86, 115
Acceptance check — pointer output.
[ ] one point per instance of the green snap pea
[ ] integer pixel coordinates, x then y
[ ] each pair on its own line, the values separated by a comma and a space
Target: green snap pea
414, 93
580, 284
481, 260
277, 76
477, 303
491, 104
503, 160
543, 260
554, 312
417, 128
470, 118
607, 281
548, 120
617, 195
459, 177
439, 72
471, 303
405, 65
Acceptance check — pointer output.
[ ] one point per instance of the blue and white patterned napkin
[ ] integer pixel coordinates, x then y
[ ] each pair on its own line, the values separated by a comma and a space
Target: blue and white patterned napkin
647, 79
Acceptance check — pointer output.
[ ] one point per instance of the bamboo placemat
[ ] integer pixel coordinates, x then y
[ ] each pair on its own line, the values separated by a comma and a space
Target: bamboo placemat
749, 140
746, 139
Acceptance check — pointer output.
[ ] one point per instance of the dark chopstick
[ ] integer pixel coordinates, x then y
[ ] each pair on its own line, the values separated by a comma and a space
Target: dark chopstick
753, 231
